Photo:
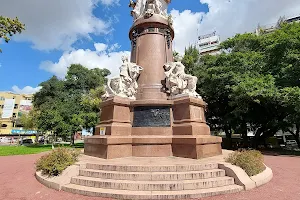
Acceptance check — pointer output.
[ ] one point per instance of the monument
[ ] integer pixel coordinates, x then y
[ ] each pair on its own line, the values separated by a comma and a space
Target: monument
152, 109
152, 120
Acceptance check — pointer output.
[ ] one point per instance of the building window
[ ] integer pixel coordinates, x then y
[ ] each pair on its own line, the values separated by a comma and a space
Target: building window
14, 115
14, 97
3, 125
16, 106
2, 98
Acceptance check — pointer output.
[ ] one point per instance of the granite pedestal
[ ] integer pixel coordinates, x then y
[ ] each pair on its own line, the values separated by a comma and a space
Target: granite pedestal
185, 134
153, 125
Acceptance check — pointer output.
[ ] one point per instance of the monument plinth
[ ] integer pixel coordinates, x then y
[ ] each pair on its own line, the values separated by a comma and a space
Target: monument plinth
152, 109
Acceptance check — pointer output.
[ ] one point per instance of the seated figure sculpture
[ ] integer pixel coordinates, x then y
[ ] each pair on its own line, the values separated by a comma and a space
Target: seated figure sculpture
178, 82
147, 8
126, 84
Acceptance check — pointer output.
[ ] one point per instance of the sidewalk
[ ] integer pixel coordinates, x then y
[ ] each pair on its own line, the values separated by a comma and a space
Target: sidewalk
17, 182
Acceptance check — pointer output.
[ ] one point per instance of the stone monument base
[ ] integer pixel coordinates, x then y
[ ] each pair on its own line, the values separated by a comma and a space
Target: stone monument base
194, 147
187, 134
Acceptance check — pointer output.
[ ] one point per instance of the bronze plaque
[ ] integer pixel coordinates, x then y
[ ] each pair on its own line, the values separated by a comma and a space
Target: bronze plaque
152, 116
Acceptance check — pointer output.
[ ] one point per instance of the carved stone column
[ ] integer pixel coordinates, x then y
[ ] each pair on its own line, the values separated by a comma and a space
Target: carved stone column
151, 40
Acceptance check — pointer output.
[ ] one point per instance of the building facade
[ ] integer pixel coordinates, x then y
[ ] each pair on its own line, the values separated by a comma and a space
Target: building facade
12, 106
209, 44
273, 27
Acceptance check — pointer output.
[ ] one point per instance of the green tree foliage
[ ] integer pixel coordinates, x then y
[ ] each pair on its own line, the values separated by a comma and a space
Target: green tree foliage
253, 84
191, 59
28, 120
9, 27
69, 105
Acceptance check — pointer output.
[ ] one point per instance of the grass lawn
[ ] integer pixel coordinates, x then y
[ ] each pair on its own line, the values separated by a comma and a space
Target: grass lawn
32, 149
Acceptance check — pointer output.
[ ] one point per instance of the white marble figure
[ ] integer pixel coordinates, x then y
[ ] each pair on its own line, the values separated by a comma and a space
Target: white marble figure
178, 82
138, 8
126, 84
158, 7
148, 8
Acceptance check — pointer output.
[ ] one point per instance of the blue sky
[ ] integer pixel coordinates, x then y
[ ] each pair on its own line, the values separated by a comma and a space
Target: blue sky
59, 33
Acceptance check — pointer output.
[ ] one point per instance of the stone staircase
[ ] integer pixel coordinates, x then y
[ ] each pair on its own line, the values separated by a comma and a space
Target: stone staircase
162, 181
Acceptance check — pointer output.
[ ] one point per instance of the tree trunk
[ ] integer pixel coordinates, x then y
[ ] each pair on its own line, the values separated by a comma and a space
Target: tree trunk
94, 130
228, 137
257, 138
244, 133
297, 139
73, 139
37, 138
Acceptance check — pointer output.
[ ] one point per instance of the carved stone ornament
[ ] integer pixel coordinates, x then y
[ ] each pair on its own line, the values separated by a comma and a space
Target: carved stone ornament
178, 83
168, 37
147, 8
126, 84
134, 38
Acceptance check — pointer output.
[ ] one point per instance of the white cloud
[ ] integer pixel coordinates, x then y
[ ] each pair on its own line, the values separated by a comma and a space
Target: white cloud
25, 90
88, 58
100, 47
114, 47
229, 17
109, 2
185, 26
56, 24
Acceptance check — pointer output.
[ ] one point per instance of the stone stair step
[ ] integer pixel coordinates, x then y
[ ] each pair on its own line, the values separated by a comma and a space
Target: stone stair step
152, 185
152, 168
153, 176
159, 195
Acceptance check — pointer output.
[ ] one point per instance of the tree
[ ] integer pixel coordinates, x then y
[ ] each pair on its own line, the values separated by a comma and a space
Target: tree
190, 59
253, 85
28, 120
290, 99
67, 106
9, 27
91, 104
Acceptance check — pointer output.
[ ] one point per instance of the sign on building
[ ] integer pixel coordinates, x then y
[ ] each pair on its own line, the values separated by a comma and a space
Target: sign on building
25, 107
209, 43
8, 108
17, 131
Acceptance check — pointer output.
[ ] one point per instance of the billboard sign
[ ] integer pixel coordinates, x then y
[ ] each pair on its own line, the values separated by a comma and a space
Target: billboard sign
25, 106
8, 108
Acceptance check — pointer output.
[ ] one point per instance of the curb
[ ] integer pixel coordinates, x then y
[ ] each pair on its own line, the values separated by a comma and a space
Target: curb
242, 179
56, 183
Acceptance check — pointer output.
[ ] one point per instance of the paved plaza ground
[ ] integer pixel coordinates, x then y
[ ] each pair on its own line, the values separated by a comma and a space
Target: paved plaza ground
17, 182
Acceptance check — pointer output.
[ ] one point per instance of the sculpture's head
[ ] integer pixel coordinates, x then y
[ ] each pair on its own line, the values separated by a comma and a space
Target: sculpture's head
177, 58
124, 59
167, 67
132, 4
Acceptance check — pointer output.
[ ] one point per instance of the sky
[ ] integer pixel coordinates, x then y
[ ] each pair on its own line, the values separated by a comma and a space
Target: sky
94, 33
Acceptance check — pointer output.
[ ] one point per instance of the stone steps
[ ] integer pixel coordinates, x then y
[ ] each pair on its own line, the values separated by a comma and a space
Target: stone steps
152, 168
159, 195
152, 185
153, 176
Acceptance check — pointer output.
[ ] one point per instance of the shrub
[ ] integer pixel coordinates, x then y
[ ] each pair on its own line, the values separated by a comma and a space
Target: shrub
58, 160
250, 161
